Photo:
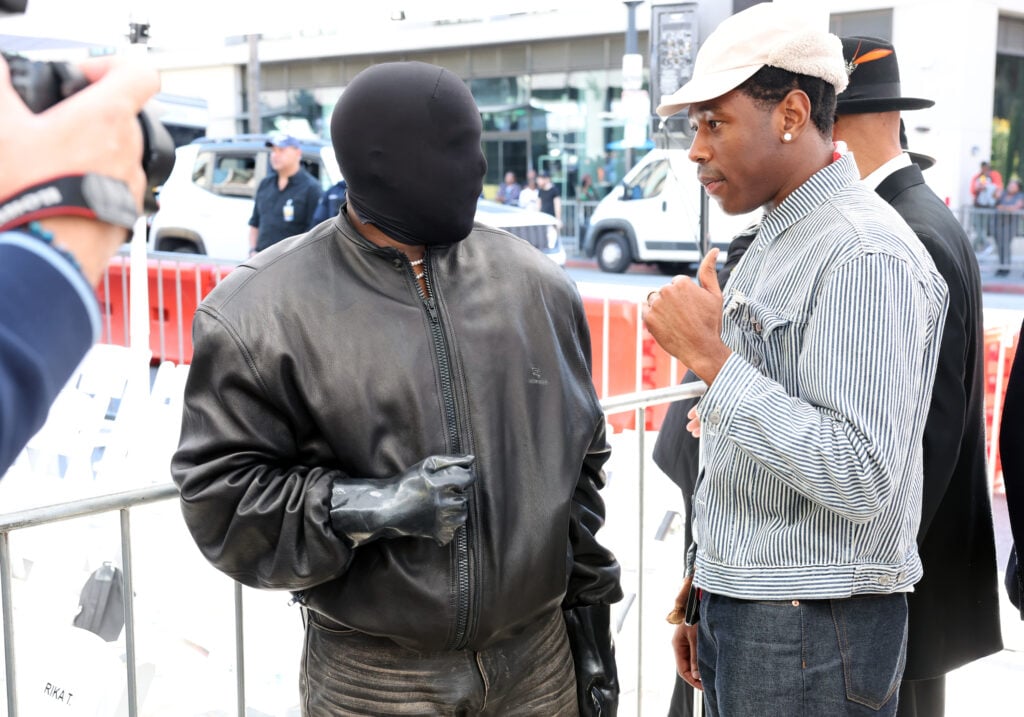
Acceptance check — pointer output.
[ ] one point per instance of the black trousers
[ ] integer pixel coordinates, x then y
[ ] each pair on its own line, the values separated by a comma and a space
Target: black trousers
682, 699
922, 698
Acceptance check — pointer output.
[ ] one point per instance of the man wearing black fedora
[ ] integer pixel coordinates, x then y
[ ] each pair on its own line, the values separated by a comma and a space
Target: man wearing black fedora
954, 609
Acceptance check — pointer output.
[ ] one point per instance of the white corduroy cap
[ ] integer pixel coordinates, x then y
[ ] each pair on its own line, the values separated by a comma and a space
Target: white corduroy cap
764, 34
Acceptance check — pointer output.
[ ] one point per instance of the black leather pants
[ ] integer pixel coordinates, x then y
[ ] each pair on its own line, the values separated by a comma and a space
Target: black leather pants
345, 672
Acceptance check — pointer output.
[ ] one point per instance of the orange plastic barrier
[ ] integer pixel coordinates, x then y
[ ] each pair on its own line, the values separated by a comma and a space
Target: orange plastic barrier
1000, 348
623, 377
175, 291
177, 288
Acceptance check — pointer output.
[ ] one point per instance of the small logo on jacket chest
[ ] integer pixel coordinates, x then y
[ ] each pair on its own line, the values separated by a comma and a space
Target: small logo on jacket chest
537, 377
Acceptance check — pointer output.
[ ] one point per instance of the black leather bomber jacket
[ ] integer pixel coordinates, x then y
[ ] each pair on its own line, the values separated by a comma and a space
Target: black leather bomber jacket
321, 359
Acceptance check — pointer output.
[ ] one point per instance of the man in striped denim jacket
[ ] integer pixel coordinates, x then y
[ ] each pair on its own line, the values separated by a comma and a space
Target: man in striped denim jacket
819, 358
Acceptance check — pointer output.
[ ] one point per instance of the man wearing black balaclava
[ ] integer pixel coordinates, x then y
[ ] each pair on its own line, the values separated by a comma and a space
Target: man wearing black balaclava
393, 417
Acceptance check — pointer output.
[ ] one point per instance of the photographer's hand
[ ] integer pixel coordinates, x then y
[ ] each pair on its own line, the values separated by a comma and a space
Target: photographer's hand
94, 130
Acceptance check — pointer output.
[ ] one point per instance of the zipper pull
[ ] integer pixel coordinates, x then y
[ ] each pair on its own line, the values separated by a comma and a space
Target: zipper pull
432, 310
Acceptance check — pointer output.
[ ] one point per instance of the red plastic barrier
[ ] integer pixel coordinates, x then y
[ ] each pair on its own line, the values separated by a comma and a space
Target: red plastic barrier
1000, 348
112, 295
655, 363
172, 308
175, 291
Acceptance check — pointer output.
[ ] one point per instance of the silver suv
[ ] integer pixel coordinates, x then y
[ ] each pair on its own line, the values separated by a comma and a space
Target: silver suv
206, 203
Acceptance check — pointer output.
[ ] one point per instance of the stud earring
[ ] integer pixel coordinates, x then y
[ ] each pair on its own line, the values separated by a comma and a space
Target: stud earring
788, 137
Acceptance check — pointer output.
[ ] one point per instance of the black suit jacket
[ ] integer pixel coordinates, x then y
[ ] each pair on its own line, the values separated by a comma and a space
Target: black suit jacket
1011, 449
954, 609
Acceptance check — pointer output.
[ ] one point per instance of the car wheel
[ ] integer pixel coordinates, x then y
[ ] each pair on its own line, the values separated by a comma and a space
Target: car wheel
674, 268
613, 253
181, 246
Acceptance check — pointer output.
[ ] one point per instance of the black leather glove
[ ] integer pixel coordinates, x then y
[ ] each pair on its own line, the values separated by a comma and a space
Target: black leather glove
593, 656
427, 500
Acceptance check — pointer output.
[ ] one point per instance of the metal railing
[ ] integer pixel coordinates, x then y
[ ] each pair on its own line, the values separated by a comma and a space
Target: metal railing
125, 502
575, 220
994, 235
177, 282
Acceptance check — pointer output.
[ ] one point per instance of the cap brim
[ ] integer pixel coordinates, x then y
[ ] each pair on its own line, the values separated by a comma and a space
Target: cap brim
893, 104
704, 88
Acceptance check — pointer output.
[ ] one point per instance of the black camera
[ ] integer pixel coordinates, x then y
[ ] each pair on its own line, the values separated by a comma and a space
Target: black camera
44, 84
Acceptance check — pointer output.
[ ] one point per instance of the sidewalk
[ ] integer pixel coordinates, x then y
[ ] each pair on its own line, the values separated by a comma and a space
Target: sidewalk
1012, 284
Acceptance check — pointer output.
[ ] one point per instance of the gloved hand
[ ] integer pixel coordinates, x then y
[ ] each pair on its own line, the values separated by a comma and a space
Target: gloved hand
427, 500
593, 656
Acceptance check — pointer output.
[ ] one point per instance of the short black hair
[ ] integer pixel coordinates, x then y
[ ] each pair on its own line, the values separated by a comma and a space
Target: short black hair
769, 85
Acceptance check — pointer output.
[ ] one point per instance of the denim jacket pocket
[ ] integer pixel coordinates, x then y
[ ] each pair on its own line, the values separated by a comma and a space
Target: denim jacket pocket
770, 337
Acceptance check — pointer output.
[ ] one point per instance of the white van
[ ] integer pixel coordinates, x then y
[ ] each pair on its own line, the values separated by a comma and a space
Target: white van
653, 216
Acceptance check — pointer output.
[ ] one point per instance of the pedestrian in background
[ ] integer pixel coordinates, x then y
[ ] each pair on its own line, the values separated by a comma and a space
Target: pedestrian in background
1007, 223
330, 203
528, 197
549, 196
508, 192
953, 611
986, 186
285, 199
587, 191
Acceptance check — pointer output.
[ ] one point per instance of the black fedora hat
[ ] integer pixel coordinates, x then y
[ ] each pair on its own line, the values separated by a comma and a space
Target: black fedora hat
923, 161
874, 79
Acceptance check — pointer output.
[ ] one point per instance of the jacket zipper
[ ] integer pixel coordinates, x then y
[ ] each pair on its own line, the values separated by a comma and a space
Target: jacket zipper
460, 543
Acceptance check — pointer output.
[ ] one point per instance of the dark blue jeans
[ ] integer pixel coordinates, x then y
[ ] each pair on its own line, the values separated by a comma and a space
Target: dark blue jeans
345, 672
809, 658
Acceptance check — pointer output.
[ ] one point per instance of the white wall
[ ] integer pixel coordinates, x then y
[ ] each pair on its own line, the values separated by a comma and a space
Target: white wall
946, 51
220, 86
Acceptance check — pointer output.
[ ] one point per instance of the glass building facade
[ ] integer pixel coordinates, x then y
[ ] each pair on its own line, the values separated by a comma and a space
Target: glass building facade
549, 106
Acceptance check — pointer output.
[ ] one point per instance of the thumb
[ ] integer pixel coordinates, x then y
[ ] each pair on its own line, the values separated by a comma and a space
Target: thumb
439, 463
708, 272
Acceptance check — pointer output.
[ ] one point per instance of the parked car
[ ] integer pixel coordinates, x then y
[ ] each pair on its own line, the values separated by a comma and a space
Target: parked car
538, 228
206, 202
653, 216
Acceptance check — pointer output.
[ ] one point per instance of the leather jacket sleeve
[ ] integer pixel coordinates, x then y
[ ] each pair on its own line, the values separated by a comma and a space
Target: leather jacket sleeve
254, 513
594, 578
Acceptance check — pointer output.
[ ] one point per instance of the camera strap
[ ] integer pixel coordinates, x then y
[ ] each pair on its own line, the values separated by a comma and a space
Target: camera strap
91, 196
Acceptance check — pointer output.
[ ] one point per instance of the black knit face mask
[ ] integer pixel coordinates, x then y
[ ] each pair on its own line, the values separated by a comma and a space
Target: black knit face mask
407, 138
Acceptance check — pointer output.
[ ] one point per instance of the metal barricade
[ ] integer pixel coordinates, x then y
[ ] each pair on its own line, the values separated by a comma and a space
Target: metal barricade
994, 235
125, 503
575, 220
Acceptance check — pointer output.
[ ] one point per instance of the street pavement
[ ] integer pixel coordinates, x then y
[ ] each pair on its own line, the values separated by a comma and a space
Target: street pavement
990, 283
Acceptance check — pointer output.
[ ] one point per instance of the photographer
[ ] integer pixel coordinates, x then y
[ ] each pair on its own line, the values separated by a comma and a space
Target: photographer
52, 253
